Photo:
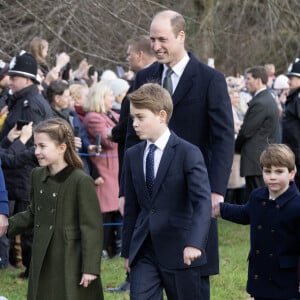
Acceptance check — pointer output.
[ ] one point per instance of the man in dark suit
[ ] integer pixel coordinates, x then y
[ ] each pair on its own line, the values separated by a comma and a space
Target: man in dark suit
260, 127
167, 207
202, 113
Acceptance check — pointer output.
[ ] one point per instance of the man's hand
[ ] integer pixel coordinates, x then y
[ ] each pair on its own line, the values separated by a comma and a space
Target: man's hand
190, 254
121, 205
26, 133
126, 265
216, 199
3, 224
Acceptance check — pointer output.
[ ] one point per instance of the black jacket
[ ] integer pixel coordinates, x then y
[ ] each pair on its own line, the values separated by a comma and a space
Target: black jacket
29, 105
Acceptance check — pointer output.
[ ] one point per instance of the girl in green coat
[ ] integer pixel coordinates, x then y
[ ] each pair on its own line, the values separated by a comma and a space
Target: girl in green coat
66, 219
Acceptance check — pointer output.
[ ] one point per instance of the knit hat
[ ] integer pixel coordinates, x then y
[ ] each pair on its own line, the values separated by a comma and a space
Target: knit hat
294, 68
108, 75
281, 82
23, 65
118, 86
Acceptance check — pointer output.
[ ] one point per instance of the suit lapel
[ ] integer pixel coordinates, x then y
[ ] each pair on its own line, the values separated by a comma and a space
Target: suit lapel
186, 81
165, 162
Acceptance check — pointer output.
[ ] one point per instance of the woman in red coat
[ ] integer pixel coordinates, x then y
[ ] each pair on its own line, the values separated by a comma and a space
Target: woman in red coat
99, 120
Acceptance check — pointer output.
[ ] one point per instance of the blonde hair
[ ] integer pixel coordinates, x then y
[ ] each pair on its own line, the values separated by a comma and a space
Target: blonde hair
154, 97
60, 131
76, 90
278, 155
95, 98
37, 45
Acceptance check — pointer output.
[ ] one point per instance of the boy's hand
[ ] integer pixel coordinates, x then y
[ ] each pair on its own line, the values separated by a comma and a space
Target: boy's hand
13, 134
190, 254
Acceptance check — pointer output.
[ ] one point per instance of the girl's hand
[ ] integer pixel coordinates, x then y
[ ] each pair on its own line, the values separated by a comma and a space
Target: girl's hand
86, 279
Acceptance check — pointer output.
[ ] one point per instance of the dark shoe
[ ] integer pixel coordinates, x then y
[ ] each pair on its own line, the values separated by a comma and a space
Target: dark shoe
122, 288
24, 275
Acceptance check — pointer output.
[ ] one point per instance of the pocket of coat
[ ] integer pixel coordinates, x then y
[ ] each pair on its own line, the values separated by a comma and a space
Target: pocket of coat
72, 234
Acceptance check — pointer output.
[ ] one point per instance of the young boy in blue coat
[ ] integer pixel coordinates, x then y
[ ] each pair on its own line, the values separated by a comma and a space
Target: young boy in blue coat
167, 204
273, 213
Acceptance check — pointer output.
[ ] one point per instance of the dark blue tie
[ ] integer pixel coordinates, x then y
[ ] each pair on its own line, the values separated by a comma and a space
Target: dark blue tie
150, 168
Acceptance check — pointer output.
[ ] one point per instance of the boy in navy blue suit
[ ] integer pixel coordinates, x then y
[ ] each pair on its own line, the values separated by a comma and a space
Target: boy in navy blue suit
167, 208
273, 213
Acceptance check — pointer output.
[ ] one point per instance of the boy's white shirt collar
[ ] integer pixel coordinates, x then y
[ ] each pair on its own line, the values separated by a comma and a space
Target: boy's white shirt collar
162, 141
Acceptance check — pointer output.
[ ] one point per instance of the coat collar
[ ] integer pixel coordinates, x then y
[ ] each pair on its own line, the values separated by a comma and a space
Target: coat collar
59, 177
283, 199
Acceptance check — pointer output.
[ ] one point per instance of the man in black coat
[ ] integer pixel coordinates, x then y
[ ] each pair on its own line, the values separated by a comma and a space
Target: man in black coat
291, 117
202, 113
260, 127
26, 104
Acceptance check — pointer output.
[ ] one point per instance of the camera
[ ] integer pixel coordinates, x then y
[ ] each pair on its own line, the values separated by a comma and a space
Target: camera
21, 123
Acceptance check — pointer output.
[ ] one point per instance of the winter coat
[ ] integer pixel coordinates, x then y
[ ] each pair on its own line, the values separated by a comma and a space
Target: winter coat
28, 105
274, 241
291, 124
64, 214
107, 163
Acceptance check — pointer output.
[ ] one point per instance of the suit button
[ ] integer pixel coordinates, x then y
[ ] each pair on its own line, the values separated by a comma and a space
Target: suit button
257, 252
51, 227
277, 206
255, 276
153, 211
52, 211
272, 230
263, 203
37, 225
259, 227
271, 254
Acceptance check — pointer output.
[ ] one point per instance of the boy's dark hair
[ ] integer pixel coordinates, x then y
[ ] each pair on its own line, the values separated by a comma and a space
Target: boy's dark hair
278, 155
154, 97
258, 72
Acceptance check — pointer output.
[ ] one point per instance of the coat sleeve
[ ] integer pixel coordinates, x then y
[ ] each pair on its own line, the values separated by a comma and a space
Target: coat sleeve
90, 221
198, 188
221, 129
235, 213
23, 221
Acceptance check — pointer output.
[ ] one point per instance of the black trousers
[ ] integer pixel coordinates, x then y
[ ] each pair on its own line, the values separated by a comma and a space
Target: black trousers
26, 238
148, 278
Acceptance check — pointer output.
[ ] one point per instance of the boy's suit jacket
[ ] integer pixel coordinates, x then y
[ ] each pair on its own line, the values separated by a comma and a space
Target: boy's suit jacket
178, 213
202, 115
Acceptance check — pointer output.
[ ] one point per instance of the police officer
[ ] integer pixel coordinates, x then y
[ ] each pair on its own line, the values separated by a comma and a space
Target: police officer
291, 117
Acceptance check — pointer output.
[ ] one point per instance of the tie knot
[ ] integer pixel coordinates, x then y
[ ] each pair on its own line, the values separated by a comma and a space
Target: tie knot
152, 147
169, 72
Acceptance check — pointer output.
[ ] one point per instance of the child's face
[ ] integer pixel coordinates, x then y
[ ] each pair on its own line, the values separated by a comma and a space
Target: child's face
277, 179
147, 125
47, 152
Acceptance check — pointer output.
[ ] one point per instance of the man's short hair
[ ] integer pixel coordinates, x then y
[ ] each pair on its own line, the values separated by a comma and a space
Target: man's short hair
154, 97
278, 155
258, 72
141, 43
